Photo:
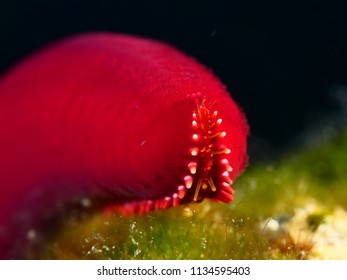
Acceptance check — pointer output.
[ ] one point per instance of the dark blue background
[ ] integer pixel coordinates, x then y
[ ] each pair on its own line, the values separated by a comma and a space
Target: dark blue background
282, 60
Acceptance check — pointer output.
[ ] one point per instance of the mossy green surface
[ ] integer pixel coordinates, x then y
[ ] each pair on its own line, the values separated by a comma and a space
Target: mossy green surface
218, 231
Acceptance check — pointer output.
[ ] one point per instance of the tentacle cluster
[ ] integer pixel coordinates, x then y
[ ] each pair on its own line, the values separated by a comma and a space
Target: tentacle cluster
208, 169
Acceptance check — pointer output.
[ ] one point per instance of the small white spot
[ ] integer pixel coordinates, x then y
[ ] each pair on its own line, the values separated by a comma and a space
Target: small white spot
143, 142
31, 234
192, 167
181, 191
194, 152
195, 137
85, 202
228, 180
271, 225
226, 164
215, 113
105, 248
222, 134
219, 121
188, 181
229, 168
194, 124
227, 151
225, 174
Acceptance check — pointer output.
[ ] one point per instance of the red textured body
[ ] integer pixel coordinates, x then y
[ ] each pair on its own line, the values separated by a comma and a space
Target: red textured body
109, 118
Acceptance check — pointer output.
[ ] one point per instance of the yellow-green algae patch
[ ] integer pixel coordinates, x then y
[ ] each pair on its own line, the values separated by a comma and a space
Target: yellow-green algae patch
282, 210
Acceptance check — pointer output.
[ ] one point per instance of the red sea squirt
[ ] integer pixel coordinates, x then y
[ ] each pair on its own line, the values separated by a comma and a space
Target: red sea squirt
126, 123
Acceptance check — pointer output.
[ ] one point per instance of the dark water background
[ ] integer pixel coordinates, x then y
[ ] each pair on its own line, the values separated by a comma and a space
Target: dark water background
285, 62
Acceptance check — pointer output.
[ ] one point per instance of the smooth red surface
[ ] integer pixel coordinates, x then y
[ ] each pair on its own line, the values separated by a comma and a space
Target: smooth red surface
101, 116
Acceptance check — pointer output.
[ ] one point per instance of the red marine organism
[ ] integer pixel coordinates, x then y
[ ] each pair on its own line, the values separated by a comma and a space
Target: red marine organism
125, 123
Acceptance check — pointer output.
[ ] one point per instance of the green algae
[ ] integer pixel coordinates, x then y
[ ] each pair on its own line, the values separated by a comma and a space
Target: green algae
265, 192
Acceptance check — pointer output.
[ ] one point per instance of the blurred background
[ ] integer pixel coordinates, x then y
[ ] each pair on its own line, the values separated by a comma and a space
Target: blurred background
285, 62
